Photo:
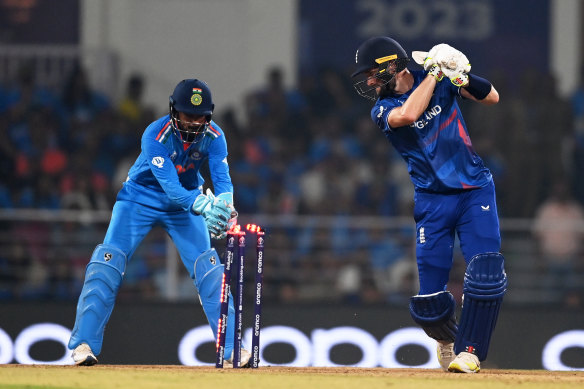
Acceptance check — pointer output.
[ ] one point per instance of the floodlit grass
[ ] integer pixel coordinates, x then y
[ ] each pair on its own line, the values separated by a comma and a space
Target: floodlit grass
145, 377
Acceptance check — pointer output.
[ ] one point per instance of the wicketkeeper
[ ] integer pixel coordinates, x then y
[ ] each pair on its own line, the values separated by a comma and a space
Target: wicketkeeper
164, 188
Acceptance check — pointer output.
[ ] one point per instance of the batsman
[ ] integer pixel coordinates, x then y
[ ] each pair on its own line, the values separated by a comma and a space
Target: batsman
454, 191
164, 188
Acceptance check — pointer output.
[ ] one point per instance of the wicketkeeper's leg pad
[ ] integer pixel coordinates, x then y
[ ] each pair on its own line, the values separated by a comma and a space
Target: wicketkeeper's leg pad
485, 284
208, 280
435, 314
103, 277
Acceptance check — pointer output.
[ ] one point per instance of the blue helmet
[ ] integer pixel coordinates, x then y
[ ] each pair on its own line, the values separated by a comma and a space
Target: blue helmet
383, 54
192, 97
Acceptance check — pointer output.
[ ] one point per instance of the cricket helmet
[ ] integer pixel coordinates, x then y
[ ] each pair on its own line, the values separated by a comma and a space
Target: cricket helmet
192, 97
383, 54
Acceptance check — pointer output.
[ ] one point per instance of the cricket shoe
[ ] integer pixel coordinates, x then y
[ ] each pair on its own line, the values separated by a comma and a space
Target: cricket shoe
83, 356
465, 363
244, 359
446, 354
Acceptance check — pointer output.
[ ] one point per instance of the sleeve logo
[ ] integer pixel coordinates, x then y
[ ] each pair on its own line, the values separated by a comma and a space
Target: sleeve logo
158, 161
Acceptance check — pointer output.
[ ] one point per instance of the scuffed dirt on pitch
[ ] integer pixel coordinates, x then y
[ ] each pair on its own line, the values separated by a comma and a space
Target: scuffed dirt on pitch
269, 377
498, 374
503, 375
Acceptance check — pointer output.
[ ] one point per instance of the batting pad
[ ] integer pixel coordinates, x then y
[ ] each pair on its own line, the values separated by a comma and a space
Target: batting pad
103, 278
485, 284
435, 314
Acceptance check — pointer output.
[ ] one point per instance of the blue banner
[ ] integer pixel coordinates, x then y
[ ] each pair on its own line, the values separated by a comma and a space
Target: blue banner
494, 34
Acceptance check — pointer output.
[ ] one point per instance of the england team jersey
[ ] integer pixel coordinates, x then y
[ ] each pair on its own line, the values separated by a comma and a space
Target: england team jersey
436, 147
169, 169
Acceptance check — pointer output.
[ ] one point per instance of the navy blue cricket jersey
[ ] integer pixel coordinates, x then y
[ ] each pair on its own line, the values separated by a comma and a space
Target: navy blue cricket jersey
436, 147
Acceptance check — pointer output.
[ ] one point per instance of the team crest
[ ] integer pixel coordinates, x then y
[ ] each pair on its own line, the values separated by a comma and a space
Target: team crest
197, 98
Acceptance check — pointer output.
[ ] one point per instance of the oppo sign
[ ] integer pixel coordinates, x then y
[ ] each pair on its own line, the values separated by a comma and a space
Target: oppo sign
315, 351
310, 351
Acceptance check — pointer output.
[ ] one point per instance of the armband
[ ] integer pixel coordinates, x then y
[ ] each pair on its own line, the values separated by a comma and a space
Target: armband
478, 87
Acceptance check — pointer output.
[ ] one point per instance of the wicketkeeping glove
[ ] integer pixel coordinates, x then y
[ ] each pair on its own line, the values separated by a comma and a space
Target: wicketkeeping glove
217, 211
219, 228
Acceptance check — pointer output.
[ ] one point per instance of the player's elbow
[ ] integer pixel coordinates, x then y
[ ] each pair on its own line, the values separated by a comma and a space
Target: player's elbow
492, 98
402, 118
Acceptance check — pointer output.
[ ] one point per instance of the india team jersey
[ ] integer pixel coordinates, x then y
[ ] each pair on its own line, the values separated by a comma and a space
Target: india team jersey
436, 147
166, 174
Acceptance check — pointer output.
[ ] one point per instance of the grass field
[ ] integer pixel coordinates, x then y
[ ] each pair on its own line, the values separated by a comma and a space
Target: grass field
145, 377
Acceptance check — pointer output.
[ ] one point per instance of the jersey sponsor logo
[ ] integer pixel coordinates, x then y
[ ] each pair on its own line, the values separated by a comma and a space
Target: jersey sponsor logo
181, 169
107, 257
158, 161
426, 117
486, 207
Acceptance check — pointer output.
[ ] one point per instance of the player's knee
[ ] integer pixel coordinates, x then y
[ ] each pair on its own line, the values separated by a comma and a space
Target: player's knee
109, 256
435, 314
208, 268
104, 272
485, 277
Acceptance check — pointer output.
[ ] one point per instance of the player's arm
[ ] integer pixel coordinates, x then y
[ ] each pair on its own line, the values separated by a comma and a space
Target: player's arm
415, 105
480, 90
455, 65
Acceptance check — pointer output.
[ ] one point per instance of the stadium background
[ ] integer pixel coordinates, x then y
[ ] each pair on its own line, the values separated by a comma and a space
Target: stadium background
298, 138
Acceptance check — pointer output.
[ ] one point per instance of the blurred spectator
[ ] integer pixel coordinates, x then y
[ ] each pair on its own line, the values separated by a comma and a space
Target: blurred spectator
577, 160
132, 106
82, 103
559, 230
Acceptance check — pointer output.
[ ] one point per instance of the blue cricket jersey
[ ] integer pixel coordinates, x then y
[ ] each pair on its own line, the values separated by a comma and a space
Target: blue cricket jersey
166, 173
436, 147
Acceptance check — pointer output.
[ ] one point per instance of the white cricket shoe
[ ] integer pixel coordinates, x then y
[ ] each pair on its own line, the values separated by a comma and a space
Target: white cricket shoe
83, 356
446, 354
465, 363
244, 359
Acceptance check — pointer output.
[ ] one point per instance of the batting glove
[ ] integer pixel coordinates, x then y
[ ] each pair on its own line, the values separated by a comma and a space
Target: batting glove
436, 72
432, 56
453, 64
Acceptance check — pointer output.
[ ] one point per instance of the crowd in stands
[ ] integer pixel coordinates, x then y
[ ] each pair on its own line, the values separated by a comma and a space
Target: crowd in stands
307, 150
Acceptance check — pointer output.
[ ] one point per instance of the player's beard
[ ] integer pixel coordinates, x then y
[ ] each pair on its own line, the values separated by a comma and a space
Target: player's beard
388, 89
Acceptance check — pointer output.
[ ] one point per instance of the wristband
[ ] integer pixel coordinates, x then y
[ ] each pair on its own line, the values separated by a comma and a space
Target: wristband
478, 87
